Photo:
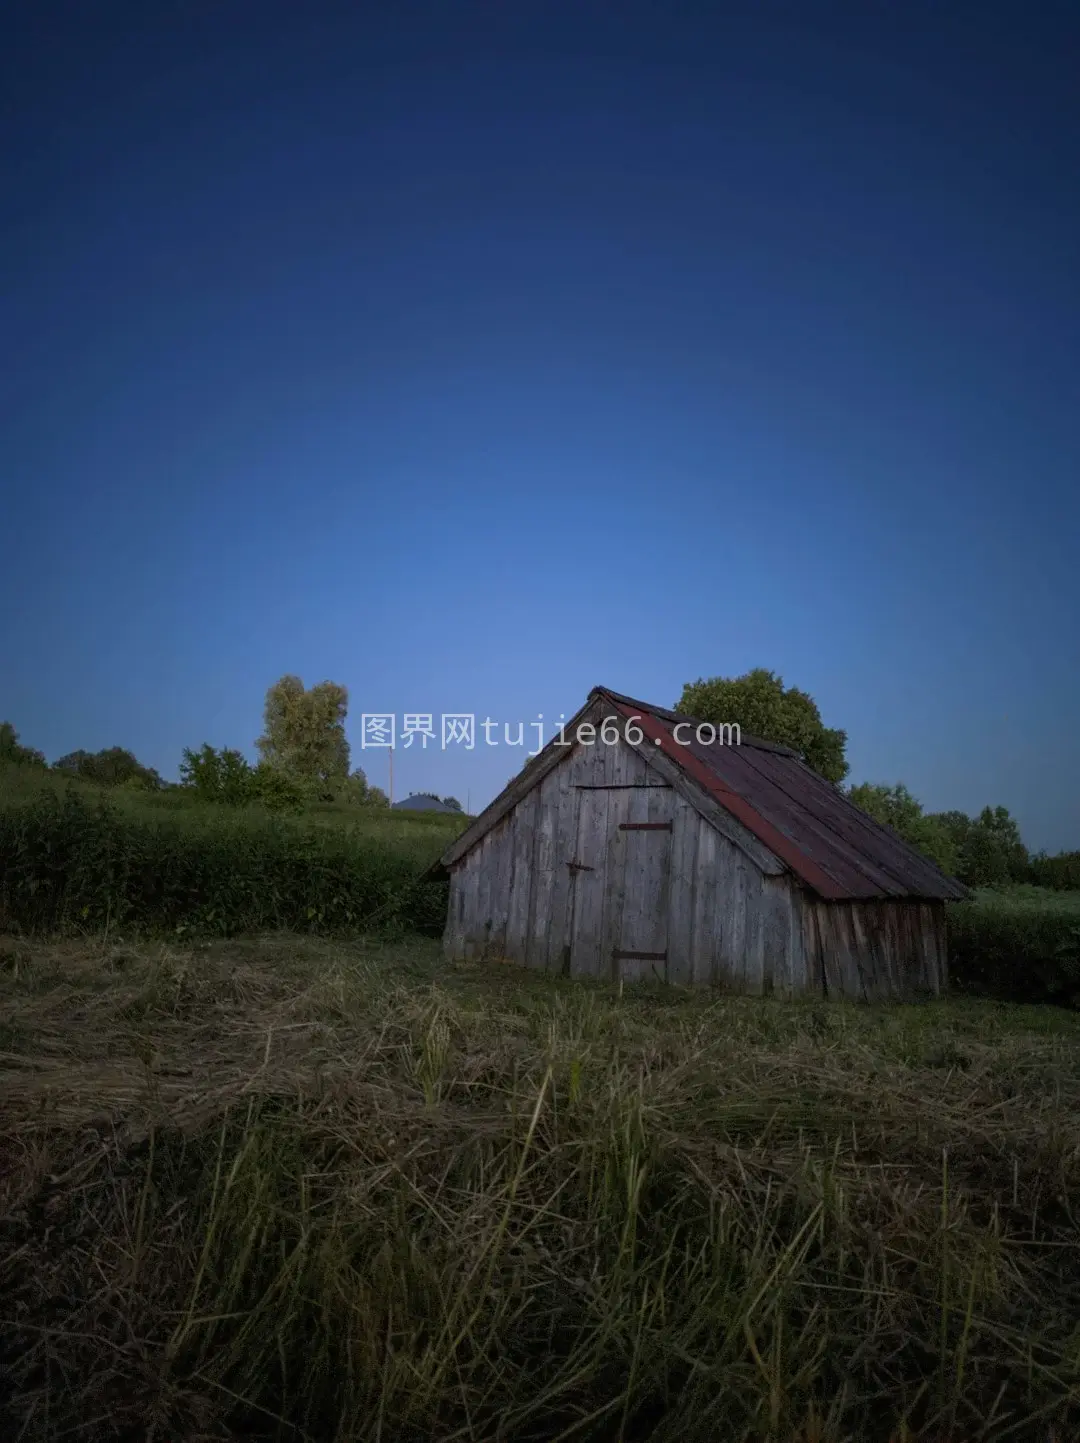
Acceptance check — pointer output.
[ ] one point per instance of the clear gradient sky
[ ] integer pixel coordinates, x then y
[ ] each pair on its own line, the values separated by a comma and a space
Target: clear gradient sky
475, 354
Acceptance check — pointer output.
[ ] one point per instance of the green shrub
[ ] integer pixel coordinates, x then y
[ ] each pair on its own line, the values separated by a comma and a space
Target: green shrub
228, 778
217, 776
271, 788
68, 863
1015, 952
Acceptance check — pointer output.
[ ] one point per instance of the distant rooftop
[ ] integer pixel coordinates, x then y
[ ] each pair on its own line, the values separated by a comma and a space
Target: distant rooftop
422, 804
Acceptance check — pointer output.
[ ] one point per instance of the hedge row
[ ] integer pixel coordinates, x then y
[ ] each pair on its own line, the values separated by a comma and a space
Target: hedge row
1014, 953
68, 864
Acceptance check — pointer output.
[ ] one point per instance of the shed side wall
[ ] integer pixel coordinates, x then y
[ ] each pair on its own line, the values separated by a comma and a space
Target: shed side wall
876, 951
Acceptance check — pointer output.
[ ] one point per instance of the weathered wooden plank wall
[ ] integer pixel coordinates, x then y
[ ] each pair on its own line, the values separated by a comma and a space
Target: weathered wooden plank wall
523, 847
875, 950
542, 880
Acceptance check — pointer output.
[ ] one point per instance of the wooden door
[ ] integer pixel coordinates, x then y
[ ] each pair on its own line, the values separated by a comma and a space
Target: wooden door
618, 906
641, 877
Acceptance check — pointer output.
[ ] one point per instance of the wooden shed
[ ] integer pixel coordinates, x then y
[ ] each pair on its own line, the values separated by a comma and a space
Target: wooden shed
655, 849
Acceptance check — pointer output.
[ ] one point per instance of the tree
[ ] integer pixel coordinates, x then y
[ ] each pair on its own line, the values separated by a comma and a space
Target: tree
11, 750
956, 824
110, 767
1061, 872
993, 853
304, 733
356, 790
895, 807
353, 789
452, 803
227, 778
275, 790
72, 762
957, 827
214, 776
763, 707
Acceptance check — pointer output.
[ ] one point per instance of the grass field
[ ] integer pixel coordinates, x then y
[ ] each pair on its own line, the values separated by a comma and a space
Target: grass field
295, 1188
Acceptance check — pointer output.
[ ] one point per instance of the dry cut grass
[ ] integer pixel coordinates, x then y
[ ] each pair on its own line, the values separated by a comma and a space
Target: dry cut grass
283, 1189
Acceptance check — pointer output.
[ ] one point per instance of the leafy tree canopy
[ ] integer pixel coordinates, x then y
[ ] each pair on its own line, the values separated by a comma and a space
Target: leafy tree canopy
227, 777
763, 707
304, 733
110, 767
218, 776
992, 853
358, 790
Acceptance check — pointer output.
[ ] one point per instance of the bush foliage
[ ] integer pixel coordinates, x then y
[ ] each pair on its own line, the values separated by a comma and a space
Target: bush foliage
999, 947
226, 777
75, 863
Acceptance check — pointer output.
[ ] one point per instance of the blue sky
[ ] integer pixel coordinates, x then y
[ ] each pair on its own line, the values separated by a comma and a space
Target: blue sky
472, 355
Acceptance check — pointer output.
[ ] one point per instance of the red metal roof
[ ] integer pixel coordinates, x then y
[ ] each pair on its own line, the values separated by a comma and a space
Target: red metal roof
805, 821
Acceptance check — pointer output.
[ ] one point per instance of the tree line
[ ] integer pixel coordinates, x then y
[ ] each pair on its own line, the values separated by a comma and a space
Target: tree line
111, 767
304, 757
